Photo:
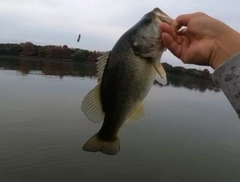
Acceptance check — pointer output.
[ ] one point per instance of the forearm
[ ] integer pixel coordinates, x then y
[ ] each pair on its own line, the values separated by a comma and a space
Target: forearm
227, 76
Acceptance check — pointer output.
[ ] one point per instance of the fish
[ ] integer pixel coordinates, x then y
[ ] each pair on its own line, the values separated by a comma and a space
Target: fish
125, 77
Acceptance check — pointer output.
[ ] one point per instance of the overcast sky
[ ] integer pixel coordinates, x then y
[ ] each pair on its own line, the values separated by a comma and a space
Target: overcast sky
100, 22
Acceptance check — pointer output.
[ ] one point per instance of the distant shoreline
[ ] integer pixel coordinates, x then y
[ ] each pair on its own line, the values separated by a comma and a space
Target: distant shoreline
34, 57
42, 58
177, 70
75, 55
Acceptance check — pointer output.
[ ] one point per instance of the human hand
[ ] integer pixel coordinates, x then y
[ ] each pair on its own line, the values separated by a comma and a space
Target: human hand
203, 41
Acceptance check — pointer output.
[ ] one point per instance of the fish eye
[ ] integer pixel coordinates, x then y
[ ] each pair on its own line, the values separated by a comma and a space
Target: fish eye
148, 18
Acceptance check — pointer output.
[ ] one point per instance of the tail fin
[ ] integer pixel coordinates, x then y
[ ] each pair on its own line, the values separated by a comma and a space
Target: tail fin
96, 144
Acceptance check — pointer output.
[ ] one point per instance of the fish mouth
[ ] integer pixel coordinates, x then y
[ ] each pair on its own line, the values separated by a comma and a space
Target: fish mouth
160, 17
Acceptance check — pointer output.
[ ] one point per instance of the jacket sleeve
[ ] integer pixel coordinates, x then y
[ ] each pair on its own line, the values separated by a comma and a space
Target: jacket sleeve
227, 76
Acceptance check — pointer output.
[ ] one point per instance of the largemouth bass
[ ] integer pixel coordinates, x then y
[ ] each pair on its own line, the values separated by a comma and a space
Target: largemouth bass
125, 76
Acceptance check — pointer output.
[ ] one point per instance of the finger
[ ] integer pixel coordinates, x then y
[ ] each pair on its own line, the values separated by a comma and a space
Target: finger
169, 29
165, 27
172, 45
183, 20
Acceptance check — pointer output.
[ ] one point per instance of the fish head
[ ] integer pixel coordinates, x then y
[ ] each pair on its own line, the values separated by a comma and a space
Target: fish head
147, 40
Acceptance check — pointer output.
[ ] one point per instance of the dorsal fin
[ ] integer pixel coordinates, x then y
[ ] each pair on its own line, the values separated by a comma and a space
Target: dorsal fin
101, 63
92, 106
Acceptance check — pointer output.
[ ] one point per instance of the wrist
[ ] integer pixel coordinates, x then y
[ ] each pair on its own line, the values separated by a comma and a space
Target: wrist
225, 47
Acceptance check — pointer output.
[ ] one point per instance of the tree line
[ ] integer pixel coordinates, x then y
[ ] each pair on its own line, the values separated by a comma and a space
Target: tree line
28, 49
191, 72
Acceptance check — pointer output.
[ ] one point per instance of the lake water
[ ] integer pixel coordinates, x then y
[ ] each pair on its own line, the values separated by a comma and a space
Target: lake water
189, 132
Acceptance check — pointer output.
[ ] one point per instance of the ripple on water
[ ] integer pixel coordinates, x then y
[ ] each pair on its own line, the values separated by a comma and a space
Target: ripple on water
41, 157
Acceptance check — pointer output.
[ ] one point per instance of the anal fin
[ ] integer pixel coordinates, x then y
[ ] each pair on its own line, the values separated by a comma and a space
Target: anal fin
137, 114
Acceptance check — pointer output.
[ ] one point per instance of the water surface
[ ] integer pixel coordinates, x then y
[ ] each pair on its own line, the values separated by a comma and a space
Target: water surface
190, 131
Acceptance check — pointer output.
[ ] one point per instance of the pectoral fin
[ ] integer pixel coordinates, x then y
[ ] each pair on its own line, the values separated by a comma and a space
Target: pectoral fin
92, 106
137, 114
161, 76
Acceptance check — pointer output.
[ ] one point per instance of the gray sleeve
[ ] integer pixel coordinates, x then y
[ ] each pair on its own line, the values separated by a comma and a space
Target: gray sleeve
227, 76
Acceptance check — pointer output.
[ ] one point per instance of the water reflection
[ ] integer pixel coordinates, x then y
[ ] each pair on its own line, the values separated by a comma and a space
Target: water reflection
48, 67
195, 84
63, 68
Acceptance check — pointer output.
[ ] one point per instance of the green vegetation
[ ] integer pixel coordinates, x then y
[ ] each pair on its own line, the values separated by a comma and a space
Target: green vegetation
64, 53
